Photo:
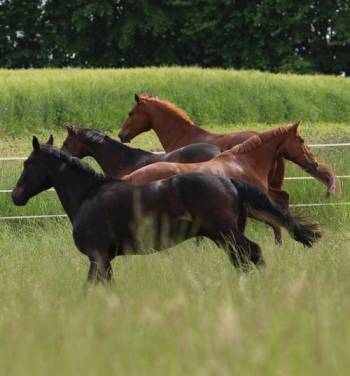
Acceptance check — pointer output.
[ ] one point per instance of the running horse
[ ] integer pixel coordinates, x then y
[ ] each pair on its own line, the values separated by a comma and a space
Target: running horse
117, 159
105, 222
175, 129
251, 162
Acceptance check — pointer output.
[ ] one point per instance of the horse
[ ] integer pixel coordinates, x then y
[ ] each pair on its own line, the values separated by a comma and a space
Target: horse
117, 159
106, 212
175, 129
250, 161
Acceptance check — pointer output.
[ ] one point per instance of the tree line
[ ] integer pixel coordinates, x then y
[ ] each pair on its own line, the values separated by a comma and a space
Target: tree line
301, 36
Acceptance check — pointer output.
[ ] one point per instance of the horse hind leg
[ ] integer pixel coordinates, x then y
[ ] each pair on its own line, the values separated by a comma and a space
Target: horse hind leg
280, 197
100, 270
277, 232
242, 251
275, 228
248, 249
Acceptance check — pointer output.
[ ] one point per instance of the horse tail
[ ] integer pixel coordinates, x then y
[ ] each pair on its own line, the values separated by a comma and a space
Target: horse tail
257, 201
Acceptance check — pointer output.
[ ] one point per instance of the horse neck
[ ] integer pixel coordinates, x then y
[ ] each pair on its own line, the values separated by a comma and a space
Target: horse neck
72, 186
117, 159
101, 153
264, 156
173, 131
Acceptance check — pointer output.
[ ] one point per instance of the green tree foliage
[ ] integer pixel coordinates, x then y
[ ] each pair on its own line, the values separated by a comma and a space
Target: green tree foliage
275, 35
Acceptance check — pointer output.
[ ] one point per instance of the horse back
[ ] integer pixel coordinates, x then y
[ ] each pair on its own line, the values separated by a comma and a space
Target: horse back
227, 141
199, 152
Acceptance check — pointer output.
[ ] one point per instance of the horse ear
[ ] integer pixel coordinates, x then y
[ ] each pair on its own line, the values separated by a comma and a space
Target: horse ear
70, 129
50, 140
294, 126
35, 143
137, 98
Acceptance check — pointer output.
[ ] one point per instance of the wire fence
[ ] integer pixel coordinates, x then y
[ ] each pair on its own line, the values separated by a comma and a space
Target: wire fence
160, 152
295, 178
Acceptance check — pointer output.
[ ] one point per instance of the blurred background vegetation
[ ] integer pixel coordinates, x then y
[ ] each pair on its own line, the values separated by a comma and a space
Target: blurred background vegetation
276, 35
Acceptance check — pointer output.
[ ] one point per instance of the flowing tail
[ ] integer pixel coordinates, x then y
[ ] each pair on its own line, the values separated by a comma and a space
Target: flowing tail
256, 200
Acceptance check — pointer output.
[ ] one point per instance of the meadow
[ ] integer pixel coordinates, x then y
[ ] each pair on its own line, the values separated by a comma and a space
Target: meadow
186, 310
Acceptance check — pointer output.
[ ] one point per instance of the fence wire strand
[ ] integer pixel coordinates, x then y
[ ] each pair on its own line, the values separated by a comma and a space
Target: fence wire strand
42, 216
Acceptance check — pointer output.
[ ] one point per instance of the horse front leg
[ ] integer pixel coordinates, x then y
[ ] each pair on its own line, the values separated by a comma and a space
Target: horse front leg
276, 175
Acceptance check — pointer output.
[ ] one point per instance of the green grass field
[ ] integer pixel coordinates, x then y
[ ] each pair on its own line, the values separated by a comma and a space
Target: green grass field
46, 98
183, 311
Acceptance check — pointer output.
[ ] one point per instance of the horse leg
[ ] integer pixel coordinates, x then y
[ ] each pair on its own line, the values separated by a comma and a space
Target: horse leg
247, 249
276, 175
100, 269
277, 232
275, 228
241, 250
279, 196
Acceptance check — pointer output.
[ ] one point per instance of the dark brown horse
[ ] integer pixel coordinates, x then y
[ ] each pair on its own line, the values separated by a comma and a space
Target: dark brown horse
117, 159
107, 214
250, 161
175, 129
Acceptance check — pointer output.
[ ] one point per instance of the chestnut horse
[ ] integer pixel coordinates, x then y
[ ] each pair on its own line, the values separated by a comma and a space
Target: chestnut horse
117, 159
250, 161
175, 129
105, 224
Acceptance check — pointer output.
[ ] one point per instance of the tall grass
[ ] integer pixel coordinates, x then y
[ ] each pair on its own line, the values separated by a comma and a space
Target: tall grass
186, 311
33, 99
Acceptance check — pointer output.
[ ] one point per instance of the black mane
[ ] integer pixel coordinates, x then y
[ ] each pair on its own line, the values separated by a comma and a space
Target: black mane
92, 135
96, 136
75, 163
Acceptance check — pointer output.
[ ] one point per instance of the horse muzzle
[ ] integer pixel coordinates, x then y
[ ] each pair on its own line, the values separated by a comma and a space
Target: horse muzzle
124, 137
18, 197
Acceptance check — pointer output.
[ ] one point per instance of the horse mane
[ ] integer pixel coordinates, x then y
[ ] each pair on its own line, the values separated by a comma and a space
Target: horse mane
171, 107
75, 163
92, 135
254, 142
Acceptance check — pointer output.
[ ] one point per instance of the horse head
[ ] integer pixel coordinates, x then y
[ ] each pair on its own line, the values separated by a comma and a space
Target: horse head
74, 144
295, 149
137, 122
34, 178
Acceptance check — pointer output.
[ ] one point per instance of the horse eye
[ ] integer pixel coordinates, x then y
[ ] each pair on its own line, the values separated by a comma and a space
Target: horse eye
130, 113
